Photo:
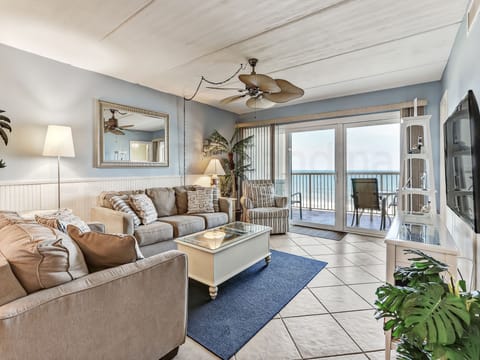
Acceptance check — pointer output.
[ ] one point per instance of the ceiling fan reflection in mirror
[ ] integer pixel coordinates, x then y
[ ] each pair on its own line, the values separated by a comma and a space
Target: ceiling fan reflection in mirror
262, 90
112, 126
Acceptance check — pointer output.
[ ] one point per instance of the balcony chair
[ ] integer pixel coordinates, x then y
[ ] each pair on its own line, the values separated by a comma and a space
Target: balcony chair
261, 206
295, 200
366, 197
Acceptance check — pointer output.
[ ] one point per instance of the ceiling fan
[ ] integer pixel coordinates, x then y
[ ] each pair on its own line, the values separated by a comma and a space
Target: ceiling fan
262, 90
111, 125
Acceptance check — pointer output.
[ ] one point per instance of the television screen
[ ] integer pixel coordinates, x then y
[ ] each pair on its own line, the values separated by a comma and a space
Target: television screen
462, 157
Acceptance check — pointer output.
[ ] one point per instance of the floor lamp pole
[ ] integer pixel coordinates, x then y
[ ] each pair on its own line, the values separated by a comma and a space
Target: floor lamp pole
58, 180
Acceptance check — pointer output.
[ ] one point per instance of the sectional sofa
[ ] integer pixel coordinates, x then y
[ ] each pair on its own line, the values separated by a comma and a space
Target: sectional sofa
173, 221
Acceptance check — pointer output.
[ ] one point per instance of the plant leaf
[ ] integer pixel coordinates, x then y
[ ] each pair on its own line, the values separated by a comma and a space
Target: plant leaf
4, 136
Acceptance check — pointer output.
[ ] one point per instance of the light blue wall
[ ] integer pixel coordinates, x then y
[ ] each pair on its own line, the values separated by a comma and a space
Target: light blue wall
430, 91
36, 91
463, 69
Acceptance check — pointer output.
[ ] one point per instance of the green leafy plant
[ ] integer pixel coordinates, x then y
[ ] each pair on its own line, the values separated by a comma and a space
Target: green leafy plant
236, 164
4, 125
430, 317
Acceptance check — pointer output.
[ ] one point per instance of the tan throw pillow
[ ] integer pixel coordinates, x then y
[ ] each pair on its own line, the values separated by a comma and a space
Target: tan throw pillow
144, 208
164, 201
103, 251
60, 219
120, 203
10, 287
41, 257
200, 201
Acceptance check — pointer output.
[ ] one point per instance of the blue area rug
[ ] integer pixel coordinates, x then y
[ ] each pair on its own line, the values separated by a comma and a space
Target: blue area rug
246, 302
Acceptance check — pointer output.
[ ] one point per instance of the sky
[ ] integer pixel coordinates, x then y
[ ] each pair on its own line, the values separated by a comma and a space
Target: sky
372, 148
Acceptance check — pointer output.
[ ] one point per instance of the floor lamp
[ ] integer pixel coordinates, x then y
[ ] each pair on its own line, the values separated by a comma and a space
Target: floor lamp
58, 142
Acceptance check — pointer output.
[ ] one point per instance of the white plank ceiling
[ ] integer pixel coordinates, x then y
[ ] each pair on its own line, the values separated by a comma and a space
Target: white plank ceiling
329, 48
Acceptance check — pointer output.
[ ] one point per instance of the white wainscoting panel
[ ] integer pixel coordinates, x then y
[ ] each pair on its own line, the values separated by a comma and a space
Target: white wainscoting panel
80, 195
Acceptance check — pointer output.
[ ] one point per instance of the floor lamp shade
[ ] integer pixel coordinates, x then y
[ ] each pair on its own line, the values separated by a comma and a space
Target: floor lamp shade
59, 142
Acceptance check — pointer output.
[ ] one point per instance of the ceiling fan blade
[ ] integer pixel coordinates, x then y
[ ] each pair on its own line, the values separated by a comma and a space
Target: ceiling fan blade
263, 82
117, 132
288, 92
233, 98
225, 88
259, 102
125, 126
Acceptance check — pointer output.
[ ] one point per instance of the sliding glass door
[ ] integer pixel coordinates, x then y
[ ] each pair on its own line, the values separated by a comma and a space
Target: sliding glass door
313, 177
344, 176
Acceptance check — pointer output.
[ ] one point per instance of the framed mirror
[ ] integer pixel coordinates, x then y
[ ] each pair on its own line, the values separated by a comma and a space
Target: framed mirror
130, 137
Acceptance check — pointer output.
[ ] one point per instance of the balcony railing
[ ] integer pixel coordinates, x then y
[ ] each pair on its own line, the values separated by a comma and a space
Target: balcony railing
318, 187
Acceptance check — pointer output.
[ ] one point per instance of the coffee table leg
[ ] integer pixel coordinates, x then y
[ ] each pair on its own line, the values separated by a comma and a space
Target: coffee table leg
213, 290
268, 259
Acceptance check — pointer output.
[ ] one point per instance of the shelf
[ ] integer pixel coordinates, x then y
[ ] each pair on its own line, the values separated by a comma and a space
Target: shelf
418, 191
421, 156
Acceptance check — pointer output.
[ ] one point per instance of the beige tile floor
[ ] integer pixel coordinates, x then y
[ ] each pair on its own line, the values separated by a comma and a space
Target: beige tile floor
332, 317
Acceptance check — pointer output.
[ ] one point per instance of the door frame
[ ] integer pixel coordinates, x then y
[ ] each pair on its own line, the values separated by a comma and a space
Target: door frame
339, 125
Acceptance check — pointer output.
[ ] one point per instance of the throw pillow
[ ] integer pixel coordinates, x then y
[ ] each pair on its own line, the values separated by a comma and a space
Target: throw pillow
164, 201
144, 208
41, 257
104, 199
120, 203
60, 219
9, 218
262, 196
10, 288
200, 201
103, 251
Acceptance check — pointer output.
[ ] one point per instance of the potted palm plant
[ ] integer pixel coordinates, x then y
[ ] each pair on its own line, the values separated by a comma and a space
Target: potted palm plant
430, 316
237, 161
4, 125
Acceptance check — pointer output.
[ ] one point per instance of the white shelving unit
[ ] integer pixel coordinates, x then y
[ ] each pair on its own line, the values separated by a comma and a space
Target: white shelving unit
409, 154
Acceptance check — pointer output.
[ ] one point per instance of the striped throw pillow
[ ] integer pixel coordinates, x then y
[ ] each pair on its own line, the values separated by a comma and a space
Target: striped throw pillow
60, 219
200, 201
119, 203
144, 208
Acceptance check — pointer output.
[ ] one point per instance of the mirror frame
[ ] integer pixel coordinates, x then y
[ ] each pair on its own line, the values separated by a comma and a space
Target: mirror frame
99, 137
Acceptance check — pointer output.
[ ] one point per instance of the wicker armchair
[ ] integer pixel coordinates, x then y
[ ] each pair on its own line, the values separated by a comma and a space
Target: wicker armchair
261, 206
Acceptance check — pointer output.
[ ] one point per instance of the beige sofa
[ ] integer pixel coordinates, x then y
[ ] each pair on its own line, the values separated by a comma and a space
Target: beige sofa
173, 220
133, 311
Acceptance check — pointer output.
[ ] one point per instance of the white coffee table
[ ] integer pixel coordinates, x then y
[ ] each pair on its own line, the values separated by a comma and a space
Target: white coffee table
218, 254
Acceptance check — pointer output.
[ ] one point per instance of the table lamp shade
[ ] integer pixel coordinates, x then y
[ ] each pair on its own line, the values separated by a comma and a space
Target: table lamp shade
59, 141
214, 167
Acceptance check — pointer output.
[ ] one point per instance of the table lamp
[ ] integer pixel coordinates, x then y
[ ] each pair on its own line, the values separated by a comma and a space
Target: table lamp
214, 168
59, 143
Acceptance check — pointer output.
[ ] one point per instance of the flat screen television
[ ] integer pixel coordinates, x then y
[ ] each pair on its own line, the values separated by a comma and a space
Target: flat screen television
462, 161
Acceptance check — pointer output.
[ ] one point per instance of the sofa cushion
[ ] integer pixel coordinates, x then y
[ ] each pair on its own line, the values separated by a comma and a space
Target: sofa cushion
103, 251
200, 201
153, 233
184, 224
41, 257
144, 208
105, 196
120, 203
10, 288
60, 219
181, 198
214, 219
164, 201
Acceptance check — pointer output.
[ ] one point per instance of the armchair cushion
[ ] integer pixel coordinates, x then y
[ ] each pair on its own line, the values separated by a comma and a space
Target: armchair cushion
261, 194
267, 213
